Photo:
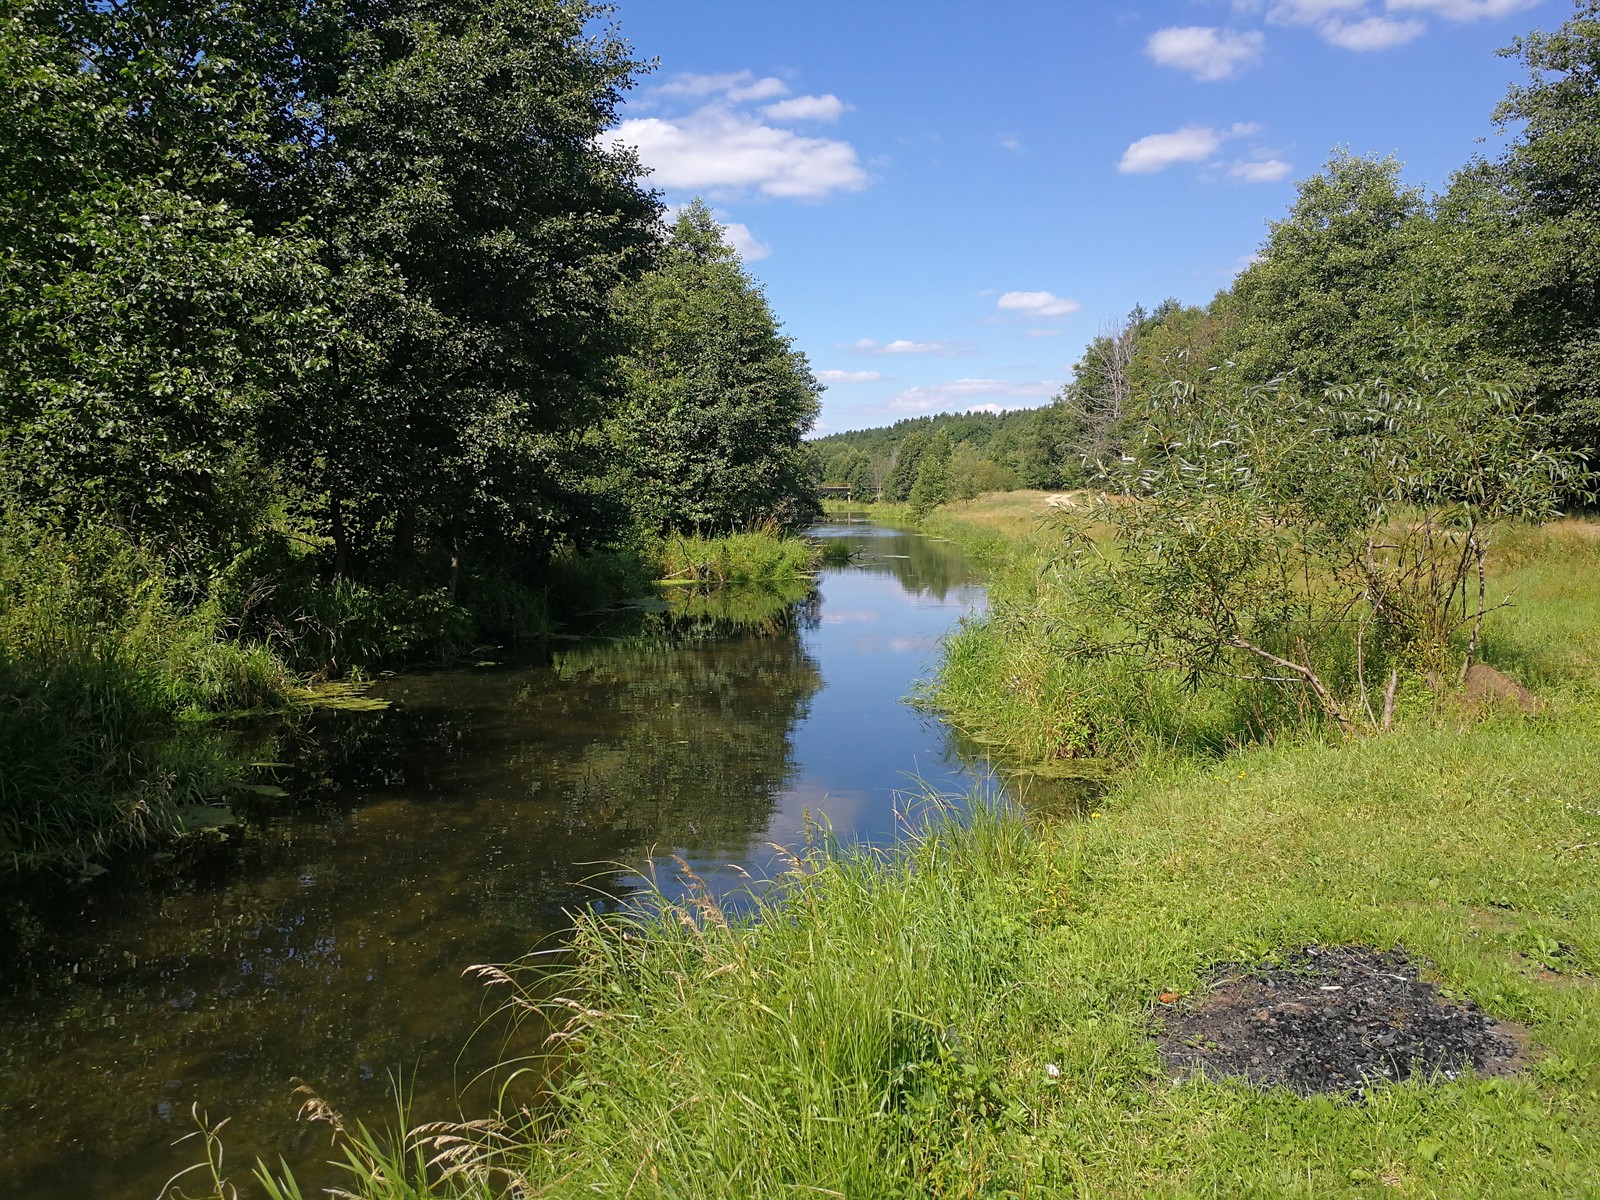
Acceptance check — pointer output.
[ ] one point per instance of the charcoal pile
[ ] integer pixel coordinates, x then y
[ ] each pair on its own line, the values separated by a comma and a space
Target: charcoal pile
1330, 1019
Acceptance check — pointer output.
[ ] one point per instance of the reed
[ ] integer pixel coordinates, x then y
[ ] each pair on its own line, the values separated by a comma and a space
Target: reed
105, 681
752, 556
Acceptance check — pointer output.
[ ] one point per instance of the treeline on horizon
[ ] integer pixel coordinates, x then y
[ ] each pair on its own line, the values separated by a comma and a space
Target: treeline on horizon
1496, 277
337, 336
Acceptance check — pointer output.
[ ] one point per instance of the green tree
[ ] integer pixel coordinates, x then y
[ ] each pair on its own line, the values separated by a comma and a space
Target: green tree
1048, 456
717, 398
1547, 207
148, 321
1325, 297
907, 461
1318, 543
475, 225
932, 486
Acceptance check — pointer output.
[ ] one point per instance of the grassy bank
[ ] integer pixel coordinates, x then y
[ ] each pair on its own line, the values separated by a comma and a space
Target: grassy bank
754, 556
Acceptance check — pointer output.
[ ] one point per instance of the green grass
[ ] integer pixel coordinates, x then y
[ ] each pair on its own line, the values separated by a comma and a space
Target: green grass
105, 681
753, 556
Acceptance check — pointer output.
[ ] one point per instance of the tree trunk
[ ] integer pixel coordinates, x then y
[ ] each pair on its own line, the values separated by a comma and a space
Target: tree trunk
455, 561
341, 537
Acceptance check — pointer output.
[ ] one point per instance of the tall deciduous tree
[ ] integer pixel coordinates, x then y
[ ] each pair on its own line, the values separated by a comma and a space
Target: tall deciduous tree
475, 225
717, 398
148, 320
1549, 258
1322, 300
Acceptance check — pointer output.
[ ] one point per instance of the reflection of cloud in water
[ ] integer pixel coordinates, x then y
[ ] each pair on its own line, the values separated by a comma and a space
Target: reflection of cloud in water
839, 618
894, 645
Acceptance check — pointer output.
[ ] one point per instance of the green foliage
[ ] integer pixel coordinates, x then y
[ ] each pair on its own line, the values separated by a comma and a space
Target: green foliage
907, 461
1315, 543
1322, 302
990, 452
102, 674
260, 257
755, 556
717, 398
475, 224
932, 485
1542, 239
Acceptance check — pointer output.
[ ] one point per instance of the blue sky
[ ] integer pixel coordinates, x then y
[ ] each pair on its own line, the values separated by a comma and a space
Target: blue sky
946, 201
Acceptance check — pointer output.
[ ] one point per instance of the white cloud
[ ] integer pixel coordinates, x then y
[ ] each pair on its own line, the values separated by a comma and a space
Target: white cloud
1009, 141
1264, 171
848, 376
718, 149
1462, 10
959, 393
1311, 12
1370, 34
1193, 143
1354, 25
748, 246
1158, 151
898, 346
806, 108
738, 86
1037, 304
1206, 53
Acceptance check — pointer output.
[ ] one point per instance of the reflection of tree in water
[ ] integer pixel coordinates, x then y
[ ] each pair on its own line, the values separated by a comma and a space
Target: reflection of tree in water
686, 746
327, 940
921, 564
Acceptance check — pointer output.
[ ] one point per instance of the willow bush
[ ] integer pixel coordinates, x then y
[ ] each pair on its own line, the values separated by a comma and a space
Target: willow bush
1327, 546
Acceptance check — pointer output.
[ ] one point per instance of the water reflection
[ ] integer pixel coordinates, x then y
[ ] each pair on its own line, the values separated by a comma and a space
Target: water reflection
326, 940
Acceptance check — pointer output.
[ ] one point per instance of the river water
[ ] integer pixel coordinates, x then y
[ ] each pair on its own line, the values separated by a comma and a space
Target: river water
324, 940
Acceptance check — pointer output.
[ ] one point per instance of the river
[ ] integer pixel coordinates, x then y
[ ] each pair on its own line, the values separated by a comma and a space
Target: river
324, 939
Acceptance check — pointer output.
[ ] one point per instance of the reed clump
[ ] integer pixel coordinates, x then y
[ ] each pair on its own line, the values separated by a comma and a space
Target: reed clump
761, 555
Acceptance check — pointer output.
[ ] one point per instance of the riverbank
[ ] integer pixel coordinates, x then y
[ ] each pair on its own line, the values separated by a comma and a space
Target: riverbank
117, 681
974, 1014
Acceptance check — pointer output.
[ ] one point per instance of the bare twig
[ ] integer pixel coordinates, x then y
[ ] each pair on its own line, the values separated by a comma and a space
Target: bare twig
1313, 681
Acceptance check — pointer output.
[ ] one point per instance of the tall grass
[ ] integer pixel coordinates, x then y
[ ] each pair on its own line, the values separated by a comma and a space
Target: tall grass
103, 675
752, 556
